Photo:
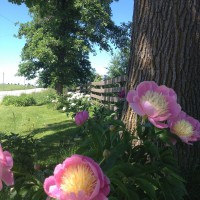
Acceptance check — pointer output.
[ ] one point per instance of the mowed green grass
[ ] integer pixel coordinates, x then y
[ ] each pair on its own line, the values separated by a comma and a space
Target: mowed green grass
41, 121
10, 87
50, 126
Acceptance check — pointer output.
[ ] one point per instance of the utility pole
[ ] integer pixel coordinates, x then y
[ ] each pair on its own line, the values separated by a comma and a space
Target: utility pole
3, 80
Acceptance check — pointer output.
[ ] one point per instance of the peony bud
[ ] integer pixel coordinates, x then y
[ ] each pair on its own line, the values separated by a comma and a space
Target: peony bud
111, 127
81, 117
106, 153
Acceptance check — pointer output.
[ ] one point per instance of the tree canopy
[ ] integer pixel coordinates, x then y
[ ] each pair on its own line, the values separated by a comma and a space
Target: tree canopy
60, 37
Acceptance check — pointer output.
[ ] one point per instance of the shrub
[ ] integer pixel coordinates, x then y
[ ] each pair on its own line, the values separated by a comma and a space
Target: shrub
141, 167
36, 98
72, 102
44, 97
29, 170
22, 100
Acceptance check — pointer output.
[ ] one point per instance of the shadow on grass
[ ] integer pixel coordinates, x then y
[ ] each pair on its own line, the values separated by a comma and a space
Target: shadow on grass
56, 131
59, 144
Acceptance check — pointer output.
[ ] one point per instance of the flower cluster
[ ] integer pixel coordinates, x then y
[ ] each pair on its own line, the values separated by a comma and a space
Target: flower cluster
76, 101
77, 95
159, 105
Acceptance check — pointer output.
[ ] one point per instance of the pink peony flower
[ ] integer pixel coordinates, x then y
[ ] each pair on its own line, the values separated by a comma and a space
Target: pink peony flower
185, 127
157, 103
81, 117
6, 163
77, 178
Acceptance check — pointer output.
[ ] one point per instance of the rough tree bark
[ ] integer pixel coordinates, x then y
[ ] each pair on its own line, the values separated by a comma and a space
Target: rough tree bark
59, 88
165, 48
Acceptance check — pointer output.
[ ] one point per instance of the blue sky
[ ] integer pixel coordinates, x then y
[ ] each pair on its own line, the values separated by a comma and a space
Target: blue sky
10, 47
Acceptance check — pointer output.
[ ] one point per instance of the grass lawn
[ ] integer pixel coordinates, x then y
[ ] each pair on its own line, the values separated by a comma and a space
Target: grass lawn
10, 87
50, 126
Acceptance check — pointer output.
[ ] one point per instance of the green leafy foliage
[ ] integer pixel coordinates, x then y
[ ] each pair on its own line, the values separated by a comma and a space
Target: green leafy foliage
146, 170
28, 182
29, 174
72, 102
38, 98
22, 100
119, 62
61, 36
11, 87
24, 149
141, 167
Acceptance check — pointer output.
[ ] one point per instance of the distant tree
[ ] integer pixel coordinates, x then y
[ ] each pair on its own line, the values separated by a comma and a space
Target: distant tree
118, 64
61, 36
119, 61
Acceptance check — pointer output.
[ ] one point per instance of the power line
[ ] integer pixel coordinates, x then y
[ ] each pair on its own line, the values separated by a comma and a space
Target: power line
2, 36
7, 19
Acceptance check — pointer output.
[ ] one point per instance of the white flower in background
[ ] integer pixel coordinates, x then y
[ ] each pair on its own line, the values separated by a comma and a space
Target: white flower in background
77, 94
78, 97
73, 97
70, 93
54, 101
64, 108
73, 104
87, 96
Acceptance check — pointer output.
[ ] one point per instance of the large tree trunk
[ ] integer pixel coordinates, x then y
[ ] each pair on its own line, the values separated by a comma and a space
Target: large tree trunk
59, 88
166, 49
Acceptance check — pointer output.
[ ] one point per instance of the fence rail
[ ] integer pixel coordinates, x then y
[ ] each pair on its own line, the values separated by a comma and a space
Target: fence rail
106, 91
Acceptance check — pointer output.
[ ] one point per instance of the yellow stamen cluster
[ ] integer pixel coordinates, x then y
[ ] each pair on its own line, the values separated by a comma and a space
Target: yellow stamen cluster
183, 128
157, 100
78, 178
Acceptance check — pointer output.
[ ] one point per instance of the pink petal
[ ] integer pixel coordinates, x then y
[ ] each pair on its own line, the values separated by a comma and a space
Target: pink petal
1, 153
144, 86
131, 94
72, 196
58, 168
100, 196
149, 109
167, 91
50, 187
174, 108
1, 185
85, 115
78, 120
73, 160
7, 177
9, 159
137, 108
158, 124
106, 189
162, 117
96, 169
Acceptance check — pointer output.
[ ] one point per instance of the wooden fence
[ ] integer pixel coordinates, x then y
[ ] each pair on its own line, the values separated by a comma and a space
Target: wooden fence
106, 91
